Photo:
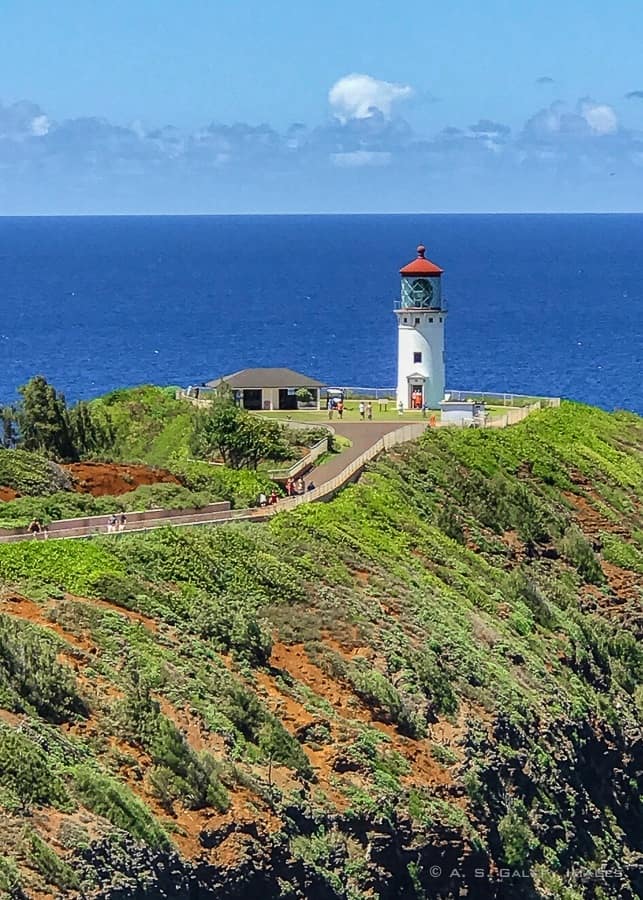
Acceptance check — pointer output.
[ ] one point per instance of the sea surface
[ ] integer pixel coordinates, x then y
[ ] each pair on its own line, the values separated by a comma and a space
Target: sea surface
538, 304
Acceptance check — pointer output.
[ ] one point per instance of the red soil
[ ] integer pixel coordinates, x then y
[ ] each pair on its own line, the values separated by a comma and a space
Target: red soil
7, 493
102, 479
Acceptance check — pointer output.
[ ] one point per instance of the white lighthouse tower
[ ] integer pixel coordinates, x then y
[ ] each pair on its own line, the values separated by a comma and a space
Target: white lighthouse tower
421, 317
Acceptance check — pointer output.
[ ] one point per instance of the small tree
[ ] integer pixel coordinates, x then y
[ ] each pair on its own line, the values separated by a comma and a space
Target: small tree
303, 395
44, 421
90, 433
9, 427
242, 440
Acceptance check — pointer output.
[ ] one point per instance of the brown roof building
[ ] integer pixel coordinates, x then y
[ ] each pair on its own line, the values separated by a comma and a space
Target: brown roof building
271, 388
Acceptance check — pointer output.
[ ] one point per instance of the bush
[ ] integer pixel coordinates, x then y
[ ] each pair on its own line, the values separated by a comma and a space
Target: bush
75, 566
29, 666
240, 486
518, 839
114, 801
194, 777
26, 775
31, 473
575, 548
45, 860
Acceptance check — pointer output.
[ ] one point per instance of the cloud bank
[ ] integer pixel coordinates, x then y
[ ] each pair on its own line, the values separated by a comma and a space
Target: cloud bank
365, 156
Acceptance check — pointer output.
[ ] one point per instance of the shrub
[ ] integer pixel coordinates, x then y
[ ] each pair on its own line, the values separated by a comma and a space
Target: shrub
74, 566
194, 776
114, 801
9, 878
575, 548
26, 775
518, 839
31, 473
45, 860
28, 664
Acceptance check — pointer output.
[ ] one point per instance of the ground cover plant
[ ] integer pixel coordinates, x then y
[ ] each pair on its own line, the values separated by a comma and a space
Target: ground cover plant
436, 674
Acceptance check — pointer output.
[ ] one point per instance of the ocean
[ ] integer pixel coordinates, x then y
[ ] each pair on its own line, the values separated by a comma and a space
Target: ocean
538, 304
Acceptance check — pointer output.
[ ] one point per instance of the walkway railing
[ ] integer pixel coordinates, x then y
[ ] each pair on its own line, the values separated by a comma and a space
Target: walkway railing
300, 465
500, 399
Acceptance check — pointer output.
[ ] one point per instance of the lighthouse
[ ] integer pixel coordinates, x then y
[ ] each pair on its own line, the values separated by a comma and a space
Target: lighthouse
421, 317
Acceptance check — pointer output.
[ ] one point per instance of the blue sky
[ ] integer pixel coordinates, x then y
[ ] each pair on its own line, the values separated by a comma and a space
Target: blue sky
242, 106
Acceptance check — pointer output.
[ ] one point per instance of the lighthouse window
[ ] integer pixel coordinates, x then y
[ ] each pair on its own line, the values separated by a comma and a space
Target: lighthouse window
417, 357
405, 320
430, 318
440, 318
417, 321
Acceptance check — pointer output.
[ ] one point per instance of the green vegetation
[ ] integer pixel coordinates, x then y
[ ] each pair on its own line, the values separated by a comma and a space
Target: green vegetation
240, 439
115, 802
148, 425
444, 661
31, 474
26, 775
31, 677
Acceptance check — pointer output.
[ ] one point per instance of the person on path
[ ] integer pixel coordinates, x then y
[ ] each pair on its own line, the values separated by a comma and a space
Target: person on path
122, 522
111, 524
311, 486
432, 421
400, 408
362, 410
340, 409
289, 487
34, 528
331, 407
272, 499
424, 409
263, 500
300, 486
45, 532
369, 411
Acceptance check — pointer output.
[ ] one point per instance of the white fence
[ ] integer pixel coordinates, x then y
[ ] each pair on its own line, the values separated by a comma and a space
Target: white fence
498, 399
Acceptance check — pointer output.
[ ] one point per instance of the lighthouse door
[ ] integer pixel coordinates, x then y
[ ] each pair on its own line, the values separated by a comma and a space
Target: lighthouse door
416, 391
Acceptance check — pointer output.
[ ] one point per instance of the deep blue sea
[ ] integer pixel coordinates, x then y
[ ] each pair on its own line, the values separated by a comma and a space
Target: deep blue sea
547, 304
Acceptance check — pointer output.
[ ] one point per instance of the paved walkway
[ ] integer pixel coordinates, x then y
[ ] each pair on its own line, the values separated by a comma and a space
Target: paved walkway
362, 436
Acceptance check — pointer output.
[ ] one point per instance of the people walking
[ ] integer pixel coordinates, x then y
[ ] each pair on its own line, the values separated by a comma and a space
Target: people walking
400, 408
34, 528
369, 411
111, 524
362, 410
122, 522
432, 421
340, 409
289, 486
331, 408
272, 499
263, 500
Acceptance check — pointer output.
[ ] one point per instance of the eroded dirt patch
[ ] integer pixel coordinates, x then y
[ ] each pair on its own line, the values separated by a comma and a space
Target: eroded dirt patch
113, 479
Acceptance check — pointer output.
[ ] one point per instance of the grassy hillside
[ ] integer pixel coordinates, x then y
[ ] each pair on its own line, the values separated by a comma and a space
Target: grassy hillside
432, 682
150, 425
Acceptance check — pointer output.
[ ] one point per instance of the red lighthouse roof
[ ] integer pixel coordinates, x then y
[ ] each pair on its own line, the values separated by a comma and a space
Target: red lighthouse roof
421, 265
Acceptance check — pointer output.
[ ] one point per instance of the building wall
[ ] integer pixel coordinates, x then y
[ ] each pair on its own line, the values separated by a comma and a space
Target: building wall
422, 333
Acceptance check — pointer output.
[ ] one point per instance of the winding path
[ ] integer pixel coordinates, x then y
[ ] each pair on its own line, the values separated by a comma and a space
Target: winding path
367, 440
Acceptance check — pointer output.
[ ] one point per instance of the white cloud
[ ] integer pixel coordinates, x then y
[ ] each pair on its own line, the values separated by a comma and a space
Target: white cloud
40, 126
590, 119
361, 96
600, 117
358, 158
